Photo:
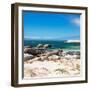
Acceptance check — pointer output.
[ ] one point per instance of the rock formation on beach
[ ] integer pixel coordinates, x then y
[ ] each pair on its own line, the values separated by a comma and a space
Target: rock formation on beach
47, 46
39, 46
34, 51
41, 62
43, 46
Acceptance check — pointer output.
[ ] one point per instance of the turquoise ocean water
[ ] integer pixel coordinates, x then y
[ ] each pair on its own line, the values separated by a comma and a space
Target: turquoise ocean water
54, 44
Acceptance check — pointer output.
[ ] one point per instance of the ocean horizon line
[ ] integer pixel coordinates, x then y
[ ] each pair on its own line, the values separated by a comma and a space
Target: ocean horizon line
53, 39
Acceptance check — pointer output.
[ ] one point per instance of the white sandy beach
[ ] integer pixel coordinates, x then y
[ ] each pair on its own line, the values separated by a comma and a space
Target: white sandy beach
51, 65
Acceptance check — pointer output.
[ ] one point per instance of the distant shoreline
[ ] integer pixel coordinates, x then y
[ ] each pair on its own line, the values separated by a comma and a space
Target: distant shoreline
73, 41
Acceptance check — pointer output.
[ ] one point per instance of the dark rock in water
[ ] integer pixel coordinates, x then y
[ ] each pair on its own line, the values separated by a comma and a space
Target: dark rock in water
39, 46
43, 46
47, 46
28, 57
34, 51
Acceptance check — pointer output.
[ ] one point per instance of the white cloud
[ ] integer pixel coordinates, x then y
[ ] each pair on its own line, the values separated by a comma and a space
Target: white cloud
76, 21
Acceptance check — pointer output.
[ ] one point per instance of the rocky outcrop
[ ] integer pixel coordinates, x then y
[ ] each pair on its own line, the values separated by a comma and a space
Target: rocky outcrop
46, 46
73, 52
55, 52
34, 51
26, 50
39, 46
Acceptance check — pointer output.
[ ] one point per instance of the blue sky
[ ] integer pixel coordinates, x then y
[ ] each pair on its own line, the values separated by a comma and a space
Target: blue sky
51, 26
